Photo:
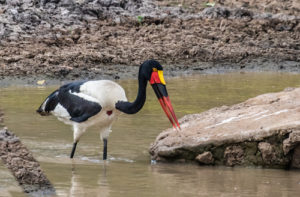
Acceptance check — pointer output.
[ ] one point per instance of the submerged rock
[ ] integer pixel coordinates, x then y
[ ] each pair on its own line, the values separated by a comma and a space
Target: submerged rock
262, 131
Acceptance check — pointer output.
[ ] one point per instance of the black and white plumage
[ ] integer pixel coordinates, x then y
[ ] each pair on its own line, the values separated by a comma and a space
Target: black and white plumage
86, 103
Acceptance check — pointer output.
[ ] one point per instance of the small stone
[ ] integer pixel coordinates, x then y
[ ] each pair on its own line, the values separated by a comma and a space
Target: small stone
205, 158
41, 82
234, 155
296, 157
267, 152
292, 141
66, 3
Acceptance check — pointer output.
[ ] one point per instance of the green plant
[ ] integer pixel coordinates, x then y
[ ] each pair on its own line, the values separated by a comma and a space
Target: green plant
140, 19
210, 4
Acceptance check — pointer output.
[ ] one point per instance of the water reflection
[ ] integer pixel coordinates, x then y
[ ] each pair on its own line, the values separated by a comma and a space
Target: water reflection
216, 181
182, 180
77, 189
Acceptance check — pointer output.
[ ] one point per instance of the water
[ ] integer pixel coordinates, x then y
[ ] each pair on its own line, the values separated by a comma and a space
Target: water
129, 171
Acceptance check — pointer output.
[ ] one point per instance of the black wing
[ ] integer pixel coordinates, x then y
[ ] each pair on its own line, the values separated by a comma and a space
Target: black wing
79, 109
49, 104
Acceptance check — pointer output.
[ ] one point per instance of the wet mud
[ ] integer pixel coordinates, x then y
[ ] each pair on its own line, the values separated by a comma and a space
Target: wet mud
71, 39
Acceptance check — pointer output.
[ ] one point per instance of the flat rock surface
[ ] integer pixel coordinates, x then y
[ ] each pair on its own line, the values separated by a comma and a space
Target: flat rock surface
264, 131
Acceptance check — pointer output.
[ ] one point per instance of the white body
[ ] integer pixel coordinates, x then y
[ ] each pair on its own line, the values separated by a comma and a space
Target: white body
107, 94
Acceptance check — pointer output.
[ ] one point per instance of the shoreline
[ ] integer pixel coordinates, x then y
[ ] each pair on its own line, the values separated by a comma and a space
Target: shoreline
121, 72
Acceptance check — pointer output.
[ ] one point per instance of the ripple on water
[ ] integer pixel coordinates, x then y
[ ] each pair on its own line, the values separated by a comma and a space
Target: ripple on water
81, 160
109, 159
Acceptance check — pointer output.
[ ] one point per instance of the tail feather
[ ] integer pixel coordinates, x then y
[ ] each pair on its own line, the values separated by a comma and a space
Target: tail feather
49, 104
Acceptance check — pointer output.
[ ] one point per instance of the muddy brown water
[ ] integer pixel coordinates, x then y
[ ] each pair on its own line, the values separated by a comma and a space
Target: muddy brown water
129, 171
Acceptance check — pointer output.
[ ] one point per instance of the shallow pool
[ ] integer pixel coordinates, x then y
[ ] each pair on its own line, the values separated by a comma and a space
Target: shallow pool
128, 171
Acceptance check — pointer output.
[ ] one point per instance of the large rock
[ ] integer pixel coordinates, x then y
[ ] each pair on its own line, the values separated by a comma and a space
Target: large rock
263, 131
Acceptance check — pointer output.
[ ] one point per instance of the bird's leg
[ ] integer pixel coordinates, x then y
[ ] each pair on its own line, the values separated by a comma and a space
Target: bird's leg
104, 149
77, 133
73, 149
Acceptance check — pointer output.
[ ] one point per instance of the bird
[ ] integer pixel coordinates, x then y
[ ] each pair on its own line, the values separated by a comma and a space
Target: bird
82, 104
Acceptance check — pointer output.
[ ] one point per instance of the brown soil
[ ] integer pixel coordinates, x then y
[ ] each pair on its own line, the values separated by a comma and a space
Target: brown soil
93, 39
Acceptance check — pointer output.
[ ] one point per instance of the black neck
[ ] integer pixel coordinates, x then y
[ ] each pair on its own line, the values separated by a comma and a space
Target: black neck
132, 108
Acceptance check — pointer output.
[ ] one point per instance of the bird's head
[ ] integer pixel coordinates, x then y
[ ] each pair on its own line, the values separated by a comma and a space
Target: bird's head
153, 72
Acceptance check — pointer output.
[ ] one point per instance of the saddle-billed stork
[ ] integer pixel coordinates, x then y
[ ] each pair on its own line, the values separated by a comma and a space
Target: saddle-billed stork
85, 103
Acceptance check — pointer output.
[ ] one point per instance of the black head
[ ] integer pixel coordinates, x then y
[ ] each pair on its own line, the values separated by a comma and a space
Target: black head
147, 68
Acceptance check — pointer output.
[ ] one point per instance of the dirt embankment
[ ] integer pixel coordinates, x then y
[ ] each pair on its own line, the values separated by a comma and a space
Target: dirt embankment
26, 170
99, 38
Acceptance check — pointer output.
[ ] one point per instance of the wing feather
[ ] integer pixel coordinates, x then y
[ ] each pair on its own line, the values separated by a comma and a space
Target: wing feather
78, 106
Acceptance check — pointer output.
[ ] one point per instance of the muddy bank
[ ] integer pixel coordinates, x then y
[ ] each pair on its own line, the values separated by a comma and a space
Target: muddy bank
26, 170
109, 39
262, 131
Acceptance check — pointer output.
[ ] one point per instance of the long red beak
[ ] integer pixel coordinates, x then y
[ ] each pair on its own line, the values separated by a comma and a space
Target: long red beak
164, 100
